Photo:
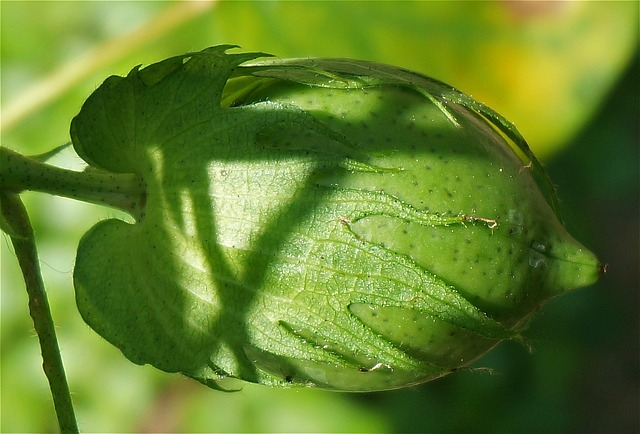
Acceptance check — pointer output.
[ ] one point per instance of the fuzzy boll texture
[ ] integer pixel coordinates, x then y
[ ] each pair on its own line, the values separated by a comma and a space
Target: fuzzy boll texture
317, 222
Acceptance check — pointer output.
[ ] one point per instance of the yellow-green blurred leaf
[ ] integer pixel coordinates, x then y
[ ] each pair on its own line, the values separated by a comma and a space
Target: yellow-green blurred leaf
544, 65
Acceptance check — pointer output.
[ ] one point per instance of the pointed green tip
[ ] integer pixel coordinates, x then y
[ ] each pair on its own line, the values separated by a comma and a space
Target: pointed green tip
575, 267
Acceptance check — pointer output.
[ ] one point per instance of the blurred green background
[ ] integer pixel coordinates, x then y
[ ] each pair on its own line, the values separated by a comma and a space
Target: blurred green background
565, 72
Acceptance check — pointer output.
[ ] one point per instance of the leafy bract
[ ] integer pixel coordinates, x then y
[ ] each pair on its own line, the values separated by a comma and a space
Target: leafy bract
330, 223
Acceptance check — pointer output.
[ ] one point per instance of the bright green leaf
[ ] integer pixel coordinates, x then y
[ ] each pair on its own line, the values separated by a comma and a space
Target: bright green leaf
328, 223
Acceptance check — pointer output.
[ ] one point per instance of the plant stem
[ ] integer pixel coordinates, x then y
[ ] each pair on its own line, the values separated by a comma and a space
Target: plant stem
124, 191
15, 216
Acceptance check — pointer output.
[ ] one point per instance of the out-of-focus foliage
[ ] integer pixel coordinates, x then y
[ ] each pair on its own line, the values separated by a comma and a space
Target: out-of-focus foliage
545, 66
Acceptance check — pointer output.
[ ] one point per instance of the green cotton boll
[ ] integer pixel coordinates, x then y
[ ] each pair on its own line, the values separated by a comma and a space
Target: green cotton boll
317, 222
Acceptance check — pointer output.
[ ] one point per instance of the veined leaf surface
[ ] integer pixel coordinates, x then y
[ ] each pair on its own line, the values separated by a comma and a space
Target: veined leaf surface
321, 222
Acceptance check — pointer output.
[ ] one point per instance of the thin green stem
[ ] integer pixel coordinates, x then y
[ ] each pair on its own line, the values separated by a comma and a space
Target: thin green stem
124, 191
15, 216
